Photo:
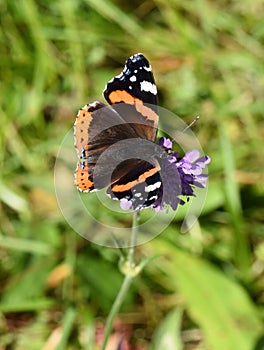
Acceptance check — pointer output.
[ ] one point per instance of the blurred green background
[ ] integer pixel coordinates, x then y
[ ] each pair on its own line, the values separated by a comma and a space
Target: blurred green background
205, 290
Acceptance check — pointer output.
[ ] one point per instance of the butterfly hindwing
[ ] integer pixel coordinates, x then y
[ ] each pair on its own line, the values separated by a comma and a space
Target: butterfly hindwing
140, 185
96, 128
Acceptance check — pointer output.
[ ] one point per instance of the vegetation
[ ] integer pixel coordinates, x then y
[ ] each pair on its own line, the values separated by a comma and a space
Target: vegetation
204, 289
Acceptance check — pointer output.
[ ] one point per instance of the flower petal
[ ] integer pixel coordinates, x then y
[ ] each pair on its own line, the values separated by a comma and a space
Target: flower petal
125, 204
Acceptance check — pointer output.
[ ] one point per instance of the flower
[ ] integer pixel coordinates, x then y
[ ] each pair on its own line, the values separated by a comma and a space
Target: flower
166, 143
125, 204
179, 176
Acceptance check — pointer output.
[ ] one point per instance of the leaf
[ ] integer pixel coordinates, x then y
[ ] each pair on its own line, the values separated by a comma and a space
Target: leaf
25, 245
27, 305
167, 336
13, 200
220, 306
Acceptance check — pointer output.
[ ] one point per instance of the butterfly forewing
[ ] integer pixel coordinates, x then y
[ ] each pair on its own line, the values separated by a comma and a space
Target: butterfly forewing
136, 86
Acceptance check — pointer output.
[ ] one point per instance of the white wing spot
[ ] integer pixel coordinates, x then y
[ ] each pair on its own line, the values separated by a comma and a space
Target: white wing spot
130, 87
153, 187
133, 78
137, 194
148, 69
148, 87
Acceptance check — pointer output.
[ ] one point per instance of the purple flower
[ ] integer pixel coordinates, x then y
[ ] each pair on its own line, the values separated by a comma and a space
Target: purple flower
166, 143
125, 204
180, 177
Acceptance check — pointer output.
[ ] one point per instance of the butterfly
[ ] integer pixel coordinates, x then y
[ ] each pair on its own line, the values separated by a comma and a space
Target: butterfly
116, 142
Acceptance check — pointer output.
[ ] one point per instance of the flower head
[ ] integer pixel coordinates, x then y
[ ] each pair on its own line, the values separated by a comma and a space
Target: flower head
179, 176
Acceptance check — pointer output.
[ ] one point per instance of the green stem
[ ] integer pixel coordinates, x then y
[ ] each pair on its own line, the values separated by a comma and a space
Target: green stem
133, 240
115, 308
125, 285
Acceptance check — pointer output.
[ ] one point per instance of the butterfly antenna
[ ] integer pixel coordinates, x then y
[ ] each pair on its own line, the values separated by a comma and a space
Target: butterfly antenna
191, 124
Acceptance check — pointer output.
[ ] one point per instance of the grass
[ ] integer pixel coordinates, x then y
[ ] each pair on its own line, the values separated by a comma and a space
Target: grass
56, 287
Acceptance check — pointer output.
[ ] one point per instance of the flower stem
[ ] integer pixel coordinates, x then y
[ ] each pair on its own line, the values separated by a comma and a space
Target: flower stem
125, 285
115, 308
133, 240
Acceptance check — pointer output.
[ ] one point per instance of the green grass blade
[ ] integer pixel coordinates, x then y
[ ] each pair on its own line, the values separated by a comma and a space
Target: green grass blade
167, 336
108, 10
25, 245
241, 254
67, 326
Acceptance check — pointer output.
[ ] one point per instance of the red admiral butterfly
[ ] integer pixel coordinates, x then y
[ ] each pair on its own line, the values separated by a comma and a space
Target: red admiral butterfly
100, 128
